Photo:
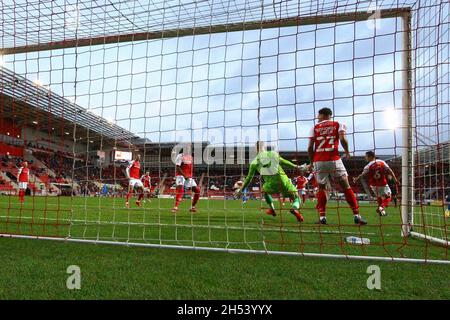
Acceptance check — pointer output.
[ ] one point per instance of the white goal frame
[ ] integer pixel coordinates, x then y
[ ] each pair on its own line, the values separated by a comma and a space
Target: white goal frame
407, 173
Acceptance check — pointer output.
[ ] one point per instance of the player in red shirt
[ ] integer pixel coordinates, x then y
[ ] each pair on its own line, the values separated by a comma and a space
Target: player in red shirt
146, 180
323, 150
184, 163
23, 175
134, 174
301, 182
377, 170
314, 187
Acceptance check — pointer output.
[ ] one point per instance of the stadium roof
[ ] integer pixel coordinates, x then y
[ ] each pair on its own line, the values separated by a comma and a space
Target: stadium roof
29, 103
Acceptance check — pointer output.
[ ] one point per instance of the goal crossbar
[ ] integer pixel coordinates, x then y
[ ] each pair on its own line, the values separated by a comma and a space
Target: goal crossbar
219, 28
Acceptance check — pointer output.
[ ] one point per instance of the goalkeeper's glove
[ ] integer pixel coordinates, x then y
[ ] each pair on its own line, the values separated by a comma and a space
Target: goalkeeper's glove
238, 193
304, 167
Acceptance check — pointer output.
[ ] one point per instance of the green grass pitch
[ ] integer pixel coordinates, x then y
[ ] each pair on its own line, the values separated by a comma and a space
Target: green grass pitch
37, 269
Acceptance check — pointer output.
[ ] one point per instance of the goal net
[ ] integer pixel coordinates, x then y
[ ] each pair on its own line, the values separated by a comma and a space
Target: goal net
86, 88
431, 137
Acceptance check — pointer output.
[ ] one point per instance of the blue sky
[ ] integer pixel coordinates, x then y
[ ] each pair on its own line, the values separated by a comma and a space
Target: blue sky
210, 87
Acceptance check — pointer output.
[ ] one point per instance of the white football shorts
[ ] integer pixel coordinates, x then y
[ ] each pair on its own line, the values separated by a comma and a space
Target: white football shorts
383, 191
187, 183
136, 183
23, 185
324, 170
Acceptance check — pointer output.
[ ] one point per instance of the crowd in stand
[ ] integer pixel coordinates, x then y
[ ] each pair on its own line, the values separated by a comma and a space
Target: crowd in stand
432, 182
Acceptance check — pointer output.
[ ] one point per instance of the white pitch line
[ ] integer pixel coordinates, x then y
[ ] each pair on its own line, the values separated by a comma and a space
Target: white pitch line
224, 227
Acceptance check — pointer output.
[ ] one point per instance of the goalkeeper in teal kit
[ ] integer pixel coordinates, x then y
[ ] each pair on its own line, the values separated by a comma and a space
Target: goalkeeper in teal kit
270, 165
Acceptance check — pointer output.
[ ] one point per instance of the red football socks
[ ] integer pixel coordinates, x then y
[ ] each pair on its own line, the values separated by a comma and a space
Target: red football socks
179, 195
385, 202
351, 200
321, 202
196, 195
